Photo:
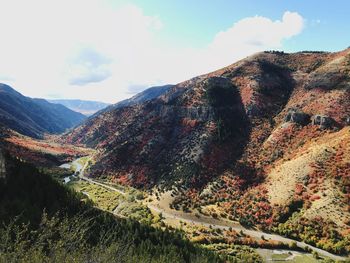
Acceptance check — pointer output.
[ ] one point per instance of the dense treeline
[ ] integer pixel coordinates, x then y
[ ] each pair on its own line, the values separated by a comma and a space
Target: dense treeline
26, 193
43, 221
316, 232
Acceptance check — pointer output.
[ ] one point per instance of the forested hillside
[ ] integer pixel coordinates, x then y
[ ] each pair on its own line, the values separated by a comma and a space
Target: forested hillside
43, 221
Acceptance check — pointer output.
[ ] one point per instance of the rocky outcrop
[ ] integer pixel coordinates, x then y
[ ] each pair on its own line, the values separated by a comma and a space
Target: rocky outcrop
200, 113
217, 81
347, 121
323, 121
298, 117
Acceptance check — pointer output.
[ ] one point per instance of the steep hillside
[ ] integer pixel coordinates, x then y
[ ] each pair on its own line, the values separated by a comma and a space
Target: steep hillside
171, 138
146, 95
47, 222
263, 141
83, 106
34, 117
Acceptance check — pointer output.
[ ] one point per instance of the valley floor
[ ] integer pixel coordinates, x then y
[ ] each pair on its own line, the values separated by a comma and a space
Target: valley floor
155, 209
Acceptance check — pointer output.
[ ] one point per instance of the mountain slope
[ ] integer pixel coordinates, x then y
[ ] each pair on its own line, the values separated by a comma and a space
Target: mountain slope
83, 106
164, 129
263, 141
146, 95
234, 105
33, 117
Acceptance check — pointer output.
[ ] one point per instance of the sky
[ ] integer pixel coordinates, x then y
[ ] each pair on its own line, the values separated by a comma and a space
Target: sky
108, 50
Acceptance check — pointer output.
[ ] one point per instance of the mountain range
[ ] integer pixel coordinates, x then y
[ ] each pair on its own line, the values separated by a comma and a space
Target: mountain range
34, 117
89, 108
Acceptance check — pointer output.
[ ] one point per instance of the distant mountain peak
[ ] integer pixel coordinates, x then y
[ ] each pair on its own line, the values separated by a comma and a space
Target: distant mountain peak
85, 107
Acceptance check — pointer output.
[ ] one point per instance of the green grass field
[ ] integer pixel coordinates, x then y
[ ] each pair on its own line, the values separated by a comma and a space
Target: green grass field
101, 197
114, 202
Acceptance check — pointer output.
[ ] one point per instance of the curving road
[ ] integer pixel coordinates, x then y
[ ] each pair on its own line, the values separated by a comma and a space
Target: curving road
208, 221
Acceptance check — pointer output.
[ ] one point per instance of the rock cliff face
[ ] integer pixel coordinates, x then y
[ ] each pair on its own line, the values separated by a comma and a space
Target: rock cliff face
200, 113
297, 117
323, 121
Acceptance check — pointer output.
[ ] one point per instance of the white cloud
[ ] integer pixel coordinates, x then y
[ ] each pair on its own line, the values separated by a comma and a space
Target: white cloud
88, 66
86, 49
251, 35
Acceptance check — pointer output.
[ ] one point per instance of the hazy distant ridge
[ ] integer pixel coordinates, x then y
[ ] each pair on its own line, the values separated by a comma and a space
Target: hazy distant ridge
83, 106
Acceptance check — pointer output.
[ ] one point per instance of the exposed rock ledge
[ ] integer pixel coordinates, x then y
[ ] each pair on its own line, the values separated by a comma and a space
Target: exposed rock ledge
298, 117
323, 121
